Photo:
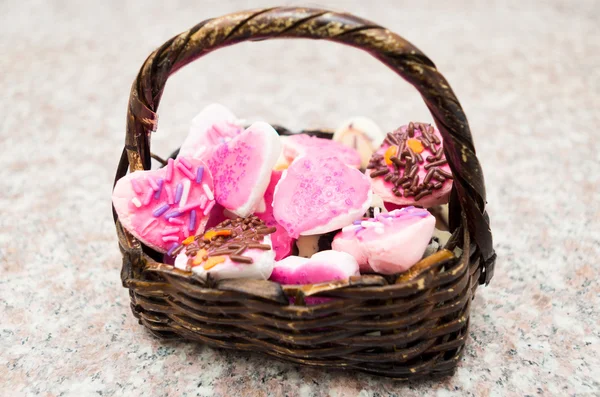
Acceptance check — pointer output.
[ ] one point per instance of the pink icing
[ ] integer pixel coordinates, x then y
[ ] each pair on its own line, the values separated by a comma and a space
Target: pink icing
314, 272
383, 188
241, 168
321, 267
390, 243
318, 194
281, 240
149, 222
301, 144
214, 125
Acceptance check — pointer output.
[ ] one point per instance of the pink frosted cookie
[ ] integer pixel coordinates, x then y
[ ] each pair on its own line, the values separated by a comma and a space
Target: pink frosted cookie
214, 125
241, 168
410, 167
281, 240
319, 194
163, 207
389, 243
301, 144
236, 248
321, 267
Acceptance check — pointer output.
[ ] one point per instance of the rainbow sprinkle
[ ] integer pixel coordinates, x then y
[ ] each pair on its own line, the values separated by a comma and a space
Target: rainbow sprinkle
185, 162
173, 247
185, 194
176, 221
169, 170
170, 238
170, 198
148, 196
208, 192
209, 207
172, 214
159, 190
160, 210
192, 224
136, 201
178, 192
203, 201
169, 230
184, 170
199, 174
136, 186
153, 184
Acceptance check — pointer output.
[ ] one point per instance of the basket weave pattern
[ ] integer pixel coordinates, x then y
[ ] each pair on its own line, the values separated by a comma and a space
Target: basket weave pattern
407, 327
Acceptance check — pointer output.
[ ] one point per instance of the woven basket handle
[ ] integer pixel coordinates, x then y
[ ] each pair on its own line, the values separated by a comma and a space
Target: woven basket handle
391, 49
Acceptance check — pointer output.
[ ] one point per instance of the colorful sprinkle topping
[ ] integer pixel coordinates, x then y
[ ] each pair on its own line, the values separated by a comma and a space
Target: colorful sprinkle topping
213, 261
178, 192
160, 210
153, 184
231, 238
389, 153
192, 223
185, 171
199, 174
415, 145
401, 162
136, 186
169, 176
159, 190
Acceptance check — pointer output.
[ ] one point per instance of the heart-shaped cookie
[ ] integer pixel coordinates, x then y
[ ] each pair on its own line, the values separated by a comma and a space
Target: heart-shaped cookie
163, 207
235, 248
241, 168
388, 243
318, 194
214, 125
410, 167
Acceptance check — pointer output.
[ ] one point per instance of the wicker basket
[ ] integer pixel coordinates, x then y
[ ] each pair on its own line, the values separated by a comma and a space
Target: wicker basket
407, 327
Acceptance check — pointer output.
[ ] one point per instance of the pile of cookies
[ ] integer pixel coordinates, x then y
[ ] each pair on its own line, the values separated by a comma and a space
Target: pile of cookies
247, 203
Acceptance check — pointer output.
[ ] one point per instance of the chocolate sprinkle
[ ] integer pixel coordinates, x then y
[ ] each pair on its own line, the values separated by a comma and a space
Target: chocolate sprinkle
435, 164
243, 233
393, 140
419, 158
379, 172
444, 173
423, 194
429, 175
241, 259
406, 164
438, 177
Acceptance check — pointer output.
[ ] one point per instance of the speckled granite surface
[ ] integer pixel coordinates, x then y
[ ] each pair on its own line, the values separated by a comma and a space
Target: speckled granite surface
527, 74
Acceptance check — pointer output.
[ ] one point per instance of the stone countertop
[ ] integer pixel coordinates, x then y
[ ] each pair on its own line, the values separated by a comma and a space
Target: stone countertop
527, 75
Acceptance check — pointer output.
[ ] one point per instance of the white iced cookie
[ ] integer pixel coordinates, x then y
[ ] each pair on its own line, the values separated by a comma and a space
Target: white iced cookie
361, 134
389, 243
321, 267
238, 248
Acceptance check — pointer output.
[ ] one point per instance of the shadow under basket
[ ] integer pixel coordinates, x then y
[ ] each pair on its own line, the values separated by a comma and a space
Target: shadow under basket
410, 325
